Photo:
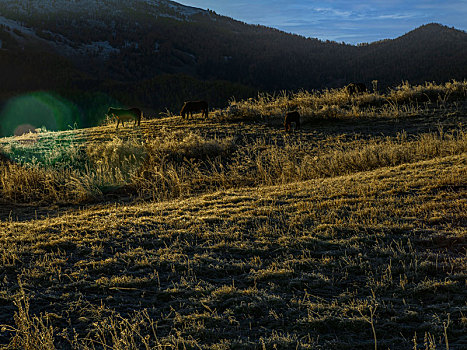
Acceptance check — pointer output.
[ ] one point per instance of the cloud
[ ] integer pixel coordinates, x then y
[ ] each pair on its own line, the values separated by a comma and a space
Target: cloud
396, 16
332, 12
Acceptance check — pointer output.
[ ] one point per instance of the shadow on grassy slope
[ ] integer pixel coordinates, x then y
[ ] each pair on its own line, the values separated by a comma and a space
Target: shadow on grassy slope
303, 265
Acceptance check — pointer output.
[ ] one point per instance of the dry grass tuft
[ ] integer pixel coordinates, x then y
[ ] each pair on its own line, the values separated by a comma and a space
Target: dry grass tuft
403, 100
31, 332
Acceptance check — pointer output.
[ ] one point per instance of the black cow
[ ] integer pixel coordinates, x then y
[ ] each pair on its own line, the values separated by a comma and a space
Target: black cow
194, 106
292, 117
122, 115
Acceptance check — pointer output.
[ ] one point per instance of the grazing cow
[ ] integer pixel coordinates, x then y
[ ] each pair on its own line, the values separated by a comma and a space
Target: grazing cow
292, 117
355, 88
194, 106
123, 115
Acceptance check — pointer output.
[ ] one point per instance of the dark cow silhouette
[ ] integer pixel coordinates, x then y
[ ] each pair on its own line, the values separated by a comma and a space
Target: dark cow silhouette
355, 88
123, 115
194, 107
292, 117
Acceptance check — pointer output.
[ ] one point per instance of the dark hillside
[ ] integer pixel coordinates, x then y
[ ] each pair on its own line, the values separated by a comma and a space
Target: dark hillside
138, 40
158, 54
432, 52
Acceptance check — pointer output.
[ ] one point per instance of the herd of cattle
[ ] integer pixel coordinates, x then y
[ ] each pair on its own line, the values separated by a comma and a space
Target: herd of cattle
122, 115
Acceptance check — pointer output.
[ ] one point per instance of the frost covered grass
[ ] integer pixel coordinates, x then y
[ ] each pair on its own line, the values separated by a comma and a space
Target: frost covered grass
344, 262
230, 233
171, 158
181, 164
331, 104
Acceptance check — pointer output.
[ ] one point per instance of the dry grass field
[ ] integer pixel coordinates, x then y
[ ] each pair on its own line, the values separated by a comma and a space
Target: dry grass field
228, 233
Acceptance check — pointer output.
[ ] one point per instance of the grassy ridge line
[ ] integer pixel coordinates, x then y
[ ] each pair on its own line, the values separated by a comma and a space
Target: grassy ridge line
405, 100
299, 265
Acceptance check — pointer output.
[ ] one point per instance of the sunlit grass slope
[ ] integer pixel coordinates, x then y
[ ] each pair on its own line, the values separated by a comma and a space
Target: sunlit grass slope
230, 233
243, 145
310, 264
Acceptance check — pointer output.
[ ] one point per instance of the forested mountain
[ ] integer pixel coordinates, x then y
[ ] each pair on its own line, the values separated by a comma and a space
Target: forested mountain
157, 53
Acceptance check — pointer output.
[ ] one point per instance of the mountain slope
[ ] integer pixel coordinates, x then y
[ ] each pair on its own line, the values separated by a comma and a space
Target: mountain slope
139, 39
431, 52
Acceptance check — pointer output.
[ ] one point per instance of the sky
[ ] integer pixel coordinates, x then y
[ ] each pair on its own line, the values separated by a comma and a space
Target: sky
342, 20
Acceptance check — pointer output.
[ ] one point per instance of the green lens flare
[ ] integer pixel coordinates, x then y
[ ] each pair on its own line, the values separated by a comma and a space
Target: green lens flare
36, 110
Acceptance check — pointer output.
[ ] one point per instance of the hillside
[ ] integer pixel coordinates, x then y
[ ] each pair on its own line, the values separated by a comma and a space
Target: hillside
313, 264
227, 232
417, 54
295, 266
135, 51
243, 144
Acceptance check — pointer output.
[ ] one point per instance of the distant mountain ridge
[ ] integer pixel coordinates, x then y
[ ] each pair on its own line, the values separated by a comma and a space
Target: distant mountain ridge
133, 47
75, 27
95, 7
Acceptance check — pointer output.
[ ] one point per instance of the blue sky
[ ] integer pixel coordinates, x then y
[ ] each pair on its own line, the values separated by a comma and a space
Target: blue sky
342, 20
